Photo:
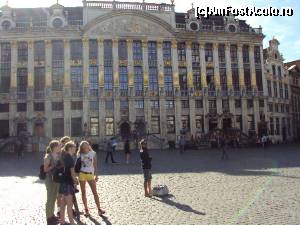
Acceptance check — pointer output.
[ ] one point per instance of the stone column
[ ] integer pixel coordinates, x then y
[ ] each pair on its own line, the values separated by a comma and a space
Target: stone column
13, 89
228, 66
241, 66
176, 87
245, 115
190, 84
204, 85
48, 79
86, 80
217, 81
162, 108
115, 45
252, 66
101, 88
67, 88
132, 114
30, 88
146, 81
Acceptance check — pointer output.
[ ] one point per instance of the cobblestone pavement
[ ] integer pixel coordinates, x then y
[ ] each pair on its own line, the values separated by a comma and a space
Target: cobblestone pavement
255, 186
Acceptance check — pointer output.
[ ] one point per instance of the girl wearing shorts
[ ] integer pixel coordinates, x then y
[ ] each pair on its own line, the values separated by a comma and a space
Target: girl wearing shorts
88, 173
66, 189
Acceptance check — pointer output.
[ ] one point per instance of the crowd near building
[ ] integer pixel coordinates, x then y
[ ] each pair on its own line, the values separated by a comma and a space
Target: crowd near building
116, 69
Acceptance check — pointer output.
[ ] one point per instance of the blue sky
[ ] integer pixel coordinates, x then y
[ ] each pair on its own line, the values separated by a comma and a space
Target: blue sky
285, 29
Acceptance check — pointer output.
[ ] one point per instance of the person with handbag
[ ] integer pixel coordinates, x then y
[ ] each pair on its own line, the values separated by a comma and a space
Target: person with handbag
88, 173
51, 161
66, 189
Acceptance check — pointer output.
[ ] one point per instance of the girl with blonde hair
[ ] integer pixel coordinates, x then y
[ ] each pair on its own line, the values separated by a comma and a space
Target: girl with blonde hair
88, 173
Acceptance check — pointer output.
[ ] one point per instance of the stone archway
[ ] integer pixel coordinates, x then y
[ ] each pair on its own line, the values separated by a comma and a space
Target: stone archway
125, 130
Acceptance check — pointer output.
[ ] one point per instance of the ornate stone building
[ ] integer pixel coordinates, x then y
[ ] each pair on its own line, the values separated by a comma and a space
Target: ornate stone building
113, 68
279, 115
294, 76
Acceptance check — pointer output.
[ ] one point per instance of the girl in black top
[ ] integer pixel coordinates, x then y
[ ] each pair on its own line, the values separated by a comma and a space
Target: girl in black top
66, 188
146, 166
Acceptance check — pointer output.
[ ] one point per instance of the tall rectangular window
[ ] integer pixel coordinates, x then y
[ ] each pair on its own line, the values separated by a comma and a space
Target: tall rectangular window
185, 121
286, 91
57, 50
153, 79
152, 51
39, 51
155, 125
171, 124
221, 53
210, 79
280, 90
108, 78
57, 65
197, 78
183, 78
76, 127
274, 70
257, 58
94, 81
22, 51
76, 81
4, 108
247, 79
137, 50
195, 55
199, 123
259, 81
223, 79
4, 131
138, 79
208, 52
235, 79
22, 80
107, 45
109, 126
123, 78
181, 51
76, 49
167, 53
39, 82
233, 53
275, 89
94, 126
58, 127
279, 71
93, 49
251, 122
168, 79
122, 50
5, 67
246, 54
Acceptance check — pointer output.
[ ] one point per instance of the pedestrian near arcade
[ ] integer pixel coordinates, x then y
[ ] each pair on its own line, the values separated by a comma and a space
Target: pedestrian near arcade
127, 150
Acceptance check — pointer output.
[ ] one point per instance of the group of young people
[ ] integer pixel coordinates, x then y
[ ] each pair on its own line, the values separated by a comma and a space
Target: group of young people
63, 156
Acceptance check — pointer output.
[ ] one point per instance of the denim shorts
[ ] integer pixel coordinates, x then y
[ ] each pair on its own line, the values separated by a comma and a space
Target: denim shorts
147, 174
66, 189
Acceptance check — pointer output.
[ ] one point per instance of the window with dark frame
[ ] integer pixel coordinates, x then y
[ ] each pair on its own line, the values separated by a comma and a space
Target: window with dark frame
137, 50
76, 105
4, 107
167, 52
21, 107
123, 72
168, 81
76, 49
122, 49
57, 106
22, 51
138, 78
208, 52
76, 127
181, 51
39, 51
39, 106
93, 49
171, 124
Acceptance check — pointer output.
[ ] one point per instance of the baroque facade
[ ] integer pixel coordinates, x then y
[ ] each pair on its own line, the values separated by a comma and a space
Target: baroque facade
279, 114
113, 68
294, 75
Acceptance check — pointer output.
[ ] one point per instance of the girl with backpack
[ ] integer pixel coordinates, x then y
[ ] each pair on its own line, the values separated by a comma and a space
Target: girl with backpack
51, 160
88, 173
66, 189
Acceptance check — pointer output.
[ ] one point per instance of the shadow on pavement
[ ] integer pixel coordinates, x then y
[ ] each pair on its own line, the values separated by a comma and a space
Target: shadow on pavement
104, 218
243, 162
167, 200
